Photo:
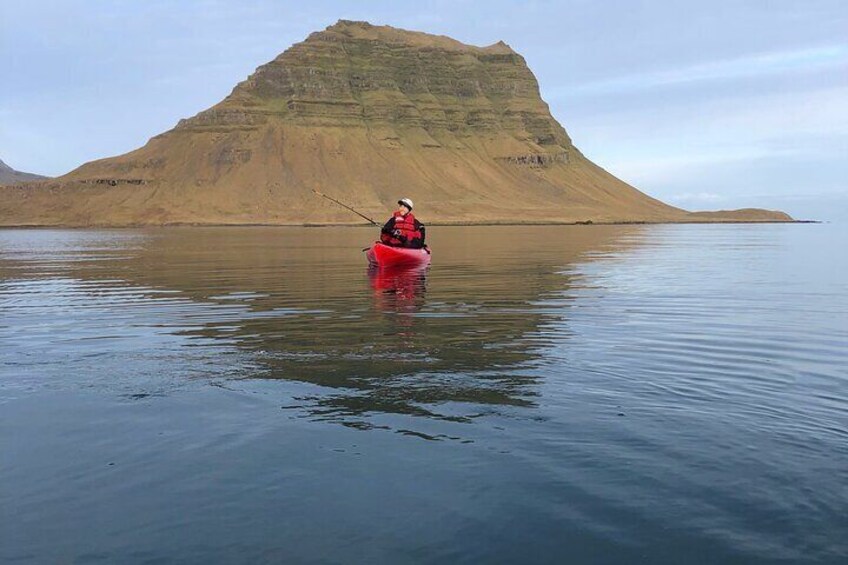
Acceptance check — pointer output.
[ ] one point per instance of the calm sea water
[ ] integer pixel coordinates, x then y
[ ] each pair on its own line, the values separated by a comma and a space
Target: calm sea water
626, 394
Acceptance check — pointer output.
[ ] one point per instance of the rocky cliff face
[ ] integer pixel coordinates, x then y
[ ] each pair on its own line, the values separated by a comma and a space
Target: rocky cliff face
365, 114
8, 175
357, 75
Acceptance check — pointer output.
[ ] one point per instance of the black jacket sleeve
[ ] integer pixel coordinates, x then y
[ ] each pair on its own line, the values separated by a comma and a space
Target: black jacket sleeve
389, 227
418, 242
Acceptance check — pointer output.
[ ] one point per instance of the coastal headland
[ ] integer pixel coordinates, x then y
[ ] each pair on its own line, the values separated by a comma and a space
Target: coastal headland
364, 113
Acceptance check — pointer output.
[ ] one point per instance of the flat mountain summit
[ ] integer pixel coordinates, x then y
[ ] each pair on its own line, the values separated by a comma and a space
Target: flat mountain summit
365, 114
8, 175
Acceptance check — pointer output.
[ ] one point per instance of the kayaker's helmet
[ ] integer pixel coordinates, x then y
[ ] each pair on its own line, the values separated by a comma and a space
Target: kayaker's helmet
405, 202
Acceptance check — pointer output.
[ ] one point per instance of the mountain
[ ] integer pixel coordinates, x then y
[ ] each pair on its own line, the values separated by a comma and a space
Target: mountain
365, 114
8, 175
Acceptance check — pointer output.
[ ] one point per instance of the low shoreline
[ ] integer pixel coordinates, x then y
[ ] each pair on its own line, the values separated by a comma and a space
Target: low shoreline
365, 225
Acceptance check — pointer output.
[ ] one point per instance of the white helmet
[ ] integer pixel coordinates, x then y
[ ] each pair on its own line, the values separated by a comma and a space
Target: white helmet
405, 202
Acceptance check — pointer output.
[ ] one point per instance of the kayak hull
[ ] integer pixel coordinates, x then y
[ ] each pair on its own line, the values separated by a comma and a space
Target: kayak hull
383, 255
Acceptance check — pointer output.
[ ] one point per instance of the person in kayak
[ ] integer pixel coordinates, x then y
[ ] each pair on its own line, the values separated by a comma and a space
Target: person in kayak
402, 229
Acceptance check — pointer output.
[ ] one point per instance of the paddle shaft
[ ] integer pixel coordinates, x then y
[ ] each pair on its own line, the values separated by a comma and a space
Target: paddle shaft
331, 199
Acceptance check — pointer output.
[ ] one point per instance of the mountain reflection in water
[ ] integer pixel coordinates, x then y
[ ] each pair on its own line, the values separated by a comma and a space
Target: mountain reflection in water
605, 394
299, 304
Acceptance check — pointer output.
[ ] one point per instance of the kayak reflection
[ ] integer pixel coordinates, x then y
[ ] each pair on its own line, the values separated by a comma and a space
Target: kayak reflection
398, 289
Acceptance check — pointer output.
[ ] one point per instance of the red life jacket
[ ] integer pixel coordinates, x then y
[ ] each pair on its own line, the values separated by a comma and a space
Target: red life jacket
408, 226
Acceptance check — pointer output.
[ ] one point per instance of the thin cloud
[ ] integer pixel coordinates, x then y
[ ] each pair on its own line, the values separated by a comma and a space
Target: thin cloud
781, 122
695, 198
670, 166
816, 58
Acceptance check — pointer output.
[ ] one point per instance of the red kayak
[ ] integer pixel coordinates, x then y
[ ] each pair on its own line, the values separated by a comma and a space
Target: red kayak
387, 256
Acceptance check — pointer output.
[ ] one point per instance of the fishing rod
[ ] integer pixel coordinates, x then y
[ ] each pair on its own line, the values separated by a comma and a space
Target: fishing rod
331, 199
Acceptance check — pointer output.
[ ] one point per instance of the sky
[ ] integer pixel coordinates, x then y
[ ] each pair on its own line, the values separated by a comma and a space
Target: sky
705, 105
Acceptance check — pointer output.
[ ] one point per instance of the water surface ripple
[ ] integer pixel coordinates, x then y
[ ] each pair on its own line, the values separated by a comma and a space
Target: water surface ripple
586, 394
